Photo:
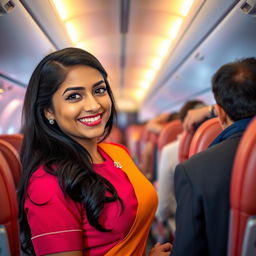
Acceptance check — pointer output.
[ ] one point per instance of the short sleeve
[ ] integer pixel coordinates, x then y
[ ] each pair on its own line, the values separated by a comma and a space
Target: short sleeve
55, 220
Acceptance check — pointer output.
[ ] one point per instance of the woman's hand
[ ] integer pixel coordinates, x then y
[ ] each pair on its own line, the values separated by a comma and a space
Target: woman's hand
161, 249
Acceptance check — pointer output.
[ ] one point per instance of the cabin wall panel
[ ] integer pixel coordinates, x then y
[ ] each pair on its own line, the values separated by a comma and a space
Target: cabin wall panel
22, 44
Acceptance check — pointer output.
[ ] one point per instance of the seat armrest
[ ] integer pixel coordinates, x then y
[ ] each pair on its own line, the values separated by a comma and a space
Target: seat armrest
249, 243
4, 244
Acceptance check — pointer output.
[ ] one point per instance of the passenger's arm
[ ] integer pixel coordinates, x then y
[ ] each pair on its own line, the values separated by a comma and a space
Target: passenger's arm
195, 116
156, 124
190, 230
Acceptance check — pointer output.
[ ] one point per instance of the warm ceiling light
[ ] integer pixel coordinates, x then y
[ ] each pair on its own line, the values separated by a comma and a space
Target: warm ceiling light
1, 90
139, 94
144, 84
163, 49
186, 5
61, 9
72, 32
156, 63
175, 27
149, 75
126, 104
82, 45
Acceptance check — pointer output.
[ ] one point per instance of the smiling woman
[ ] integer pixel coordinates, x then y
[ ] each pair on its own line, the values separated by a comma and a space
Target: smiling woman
81, 105
78, 196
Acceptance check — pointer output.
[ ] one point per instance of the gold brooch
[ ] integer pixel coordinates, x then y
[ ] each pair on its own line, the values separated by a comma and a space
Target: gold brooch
118, 165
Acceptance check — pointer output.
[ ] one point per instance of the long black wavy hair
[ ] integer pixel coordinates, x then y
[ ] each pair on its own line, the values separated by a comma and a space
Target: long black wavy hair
47, 145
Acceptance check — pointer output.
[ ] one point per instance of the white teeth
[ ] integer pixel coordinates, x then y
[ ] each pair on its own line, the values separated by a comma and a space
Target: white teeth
90, 120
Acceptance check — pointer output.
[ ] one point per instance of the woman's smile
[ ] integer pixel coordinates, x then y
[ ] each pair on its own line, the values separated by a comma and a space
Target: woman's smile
91, 120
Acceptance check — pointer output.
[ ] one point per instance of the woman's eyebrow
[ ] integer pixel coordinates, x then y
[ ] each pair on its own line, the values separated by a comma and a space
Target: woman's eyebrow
73, 89
81, 88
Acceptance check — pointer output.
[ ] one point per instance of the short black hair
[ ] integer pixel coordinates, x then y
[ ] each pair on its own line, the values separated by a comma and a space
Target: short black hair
173, 116
190, 105
234, 88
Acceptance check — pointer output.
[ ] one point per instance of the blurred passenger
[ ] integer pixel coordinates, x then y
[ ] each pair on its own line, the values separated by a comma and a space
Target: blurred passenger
195, 116
78, 196
168, 160
202, 183
156, 124
153, 128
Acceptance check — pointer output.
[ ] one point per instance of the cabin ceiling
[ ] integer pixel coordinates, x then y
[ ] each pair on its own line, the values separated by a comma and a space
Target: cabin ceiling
131, 38
156, 56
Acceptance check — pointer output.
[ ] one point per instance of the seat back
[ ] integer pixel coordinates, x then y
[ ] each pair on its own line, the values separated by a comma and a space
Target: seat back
242, 232
149, 154
115, 136
204, 135
169, 133
184, 146
14, 139
9, 209
133, 136
11, 156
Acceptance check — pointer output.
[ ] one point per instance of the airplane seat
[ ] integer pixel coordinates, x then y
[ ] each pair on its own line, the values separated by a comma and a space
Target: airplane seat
185, 142
115, 136
145, 137
151, 171
169, 133
14, 139
204, 135
129, 136
148, 145
12, 157
9, 229
242, 230
133, 138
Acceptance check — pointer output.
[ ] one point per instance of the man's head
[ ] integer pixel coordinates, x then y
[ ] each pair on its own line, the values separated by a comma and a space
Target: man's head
234, 89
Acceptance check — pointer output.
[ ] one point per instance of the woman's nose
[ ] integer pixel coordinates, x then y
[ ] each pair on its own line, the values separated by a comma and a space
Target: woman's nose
91, 104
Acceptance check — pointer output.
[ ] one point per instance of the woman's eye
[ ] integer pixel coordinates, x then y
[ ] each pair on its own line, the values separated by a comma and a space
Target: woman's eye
73, 97
101, 90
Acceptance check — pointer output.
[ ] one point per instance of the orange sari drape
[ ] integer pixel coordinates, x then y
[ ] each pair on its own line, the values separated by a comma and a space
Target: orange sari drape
136, 240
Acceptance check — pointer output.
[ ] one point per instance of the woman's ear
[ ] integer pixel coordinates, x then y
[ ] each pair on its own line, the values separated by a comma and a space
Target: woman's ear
48, 113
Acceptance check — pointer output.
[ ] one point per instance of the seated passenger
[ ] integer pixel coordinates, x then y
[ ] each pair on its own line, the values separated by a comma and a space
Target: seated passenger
167, 163
155, 126
202, 183
195, 116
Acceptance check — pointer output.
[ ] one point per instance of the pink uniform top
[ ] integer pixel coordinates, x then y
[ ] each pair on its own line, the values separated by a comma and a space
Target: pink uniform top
59, 224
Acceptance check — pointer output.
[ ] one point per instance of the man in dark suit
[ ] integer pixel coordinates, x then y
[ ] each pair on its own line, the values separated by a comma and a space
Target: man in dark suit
202, 183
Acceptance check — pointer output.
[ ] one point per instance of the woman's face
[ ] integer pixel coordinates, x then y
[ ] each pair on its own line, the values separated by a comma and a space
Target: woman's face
81, 106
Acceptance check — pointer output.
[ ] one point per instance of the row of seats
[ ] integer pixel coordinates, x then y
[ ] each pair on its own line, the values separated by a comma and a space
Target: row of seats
191, 143
10, 171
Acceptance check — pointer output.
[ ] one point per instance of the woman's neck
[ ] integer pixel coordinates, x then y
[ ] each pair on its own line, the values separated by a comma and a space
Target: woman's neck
92, 148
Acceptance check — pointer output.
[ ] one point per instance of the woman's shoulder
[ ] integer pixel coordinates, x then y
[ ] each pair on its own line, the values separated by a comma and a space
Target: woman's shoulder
43, 178
43, 186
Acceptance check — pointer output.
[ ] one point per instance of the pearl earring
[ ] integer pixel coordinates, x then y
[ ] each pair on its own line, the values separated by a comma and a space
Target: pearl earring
51, 121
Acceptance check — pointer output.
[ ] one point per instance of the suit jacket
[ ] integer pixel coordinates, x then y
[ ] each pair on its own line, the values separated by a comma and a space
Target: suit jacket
202, 186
